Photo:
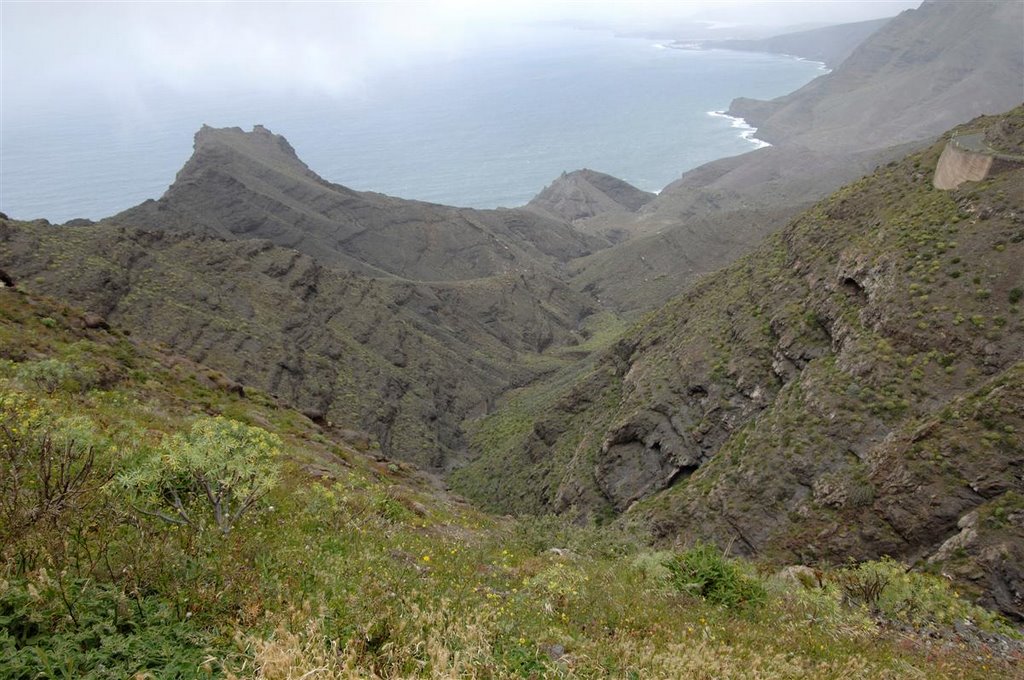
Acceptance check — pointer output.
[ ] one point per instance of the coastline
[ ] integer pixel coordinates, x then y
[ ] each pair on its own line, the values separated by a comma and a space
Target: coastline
747, 131
709, 45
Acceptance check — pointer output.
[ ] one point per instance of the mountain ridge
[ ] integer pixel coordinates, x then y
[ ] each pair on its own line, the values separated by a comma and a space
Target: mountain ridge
800, 358
404, 360
253, 185
584, 196
942, 64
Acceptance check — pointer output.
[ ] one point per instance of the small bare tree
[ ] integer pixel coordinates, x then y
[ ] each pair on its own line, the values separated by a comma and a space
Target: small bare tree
48, 466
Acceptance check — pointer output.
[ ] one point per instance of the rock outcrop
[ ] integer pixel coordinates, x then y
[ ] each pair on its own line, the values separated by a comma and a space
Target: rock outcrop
968, 158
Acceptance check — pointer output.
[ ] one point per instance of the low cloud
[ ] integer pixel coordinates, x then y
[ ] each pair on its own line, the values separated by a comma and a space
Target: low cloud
63, 50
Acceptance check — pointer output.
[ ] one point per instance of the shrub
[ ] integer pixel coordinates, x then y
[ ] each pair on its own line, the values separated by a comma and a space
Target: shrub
864, 584
221, 466
653, 566
48, 375
704, 571
390, 508
1015, 295
890, 590
48, 466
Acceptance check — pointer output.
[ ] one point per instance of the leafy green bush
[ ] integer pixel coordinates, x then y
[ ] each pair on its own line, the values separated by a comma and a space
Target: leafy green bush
50, 628
51, 375
390, 508
704, 571
221, 467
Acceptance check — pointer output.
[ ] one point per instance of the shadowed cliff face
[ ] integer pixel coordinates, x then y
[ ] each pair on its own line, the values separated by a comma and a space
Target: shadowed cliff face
252, 185
852, 388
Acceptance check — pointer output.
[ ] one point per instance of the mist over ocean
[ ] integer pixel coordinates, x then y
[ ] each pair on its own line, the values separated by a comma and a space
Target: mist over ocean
485, 130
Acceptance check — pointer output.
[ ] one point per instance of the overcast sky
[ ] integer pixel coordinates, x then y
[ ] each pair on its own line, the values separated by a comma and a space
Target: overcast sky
113, 49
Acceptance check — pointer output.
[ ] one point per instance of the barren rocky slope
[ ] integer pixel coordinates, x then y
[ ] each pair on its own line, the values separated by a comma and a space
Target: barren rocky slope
592, 201
252, 185
923, 72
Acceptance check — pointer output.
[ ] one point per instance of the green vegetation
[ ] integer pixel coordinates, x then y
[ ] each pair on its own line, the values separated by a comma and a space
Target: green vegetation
889, 590
703, 570
834, 392
345, 566
220, 464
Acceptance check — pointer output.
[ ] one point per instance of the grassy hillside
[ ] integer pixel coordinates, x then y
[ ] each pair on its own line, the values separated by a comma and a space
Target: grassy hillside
852, 388
355, 566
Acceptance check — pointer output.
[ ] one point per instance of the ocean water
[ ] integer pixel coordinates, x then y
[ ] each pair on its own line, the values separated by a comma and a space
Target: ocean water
486, 130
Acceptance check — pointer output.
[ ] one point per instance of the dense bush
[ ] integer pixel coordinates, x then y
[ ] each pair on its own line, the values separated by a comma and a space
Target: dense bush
704, 571
54, 628
221, 468
50, 375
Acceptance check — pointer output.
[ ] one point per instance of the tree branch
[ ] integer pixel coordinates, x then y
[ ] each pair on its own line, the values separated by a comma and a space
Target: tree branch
179, 507
160, 515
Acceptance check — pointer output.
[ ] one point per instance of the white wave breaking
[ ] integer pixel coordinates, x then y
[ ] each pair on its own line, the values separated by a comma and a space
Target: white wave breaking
746, 130
822, 66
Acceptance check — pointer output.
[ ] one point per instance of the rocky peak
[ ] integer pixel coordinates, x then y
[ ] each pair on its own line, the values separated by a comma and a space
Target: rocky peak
583, 194
219, 146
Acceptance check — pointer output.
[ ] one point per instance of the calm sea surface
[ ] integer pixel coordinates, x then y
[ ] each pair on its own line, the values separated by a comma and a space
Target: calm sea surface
487, 130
